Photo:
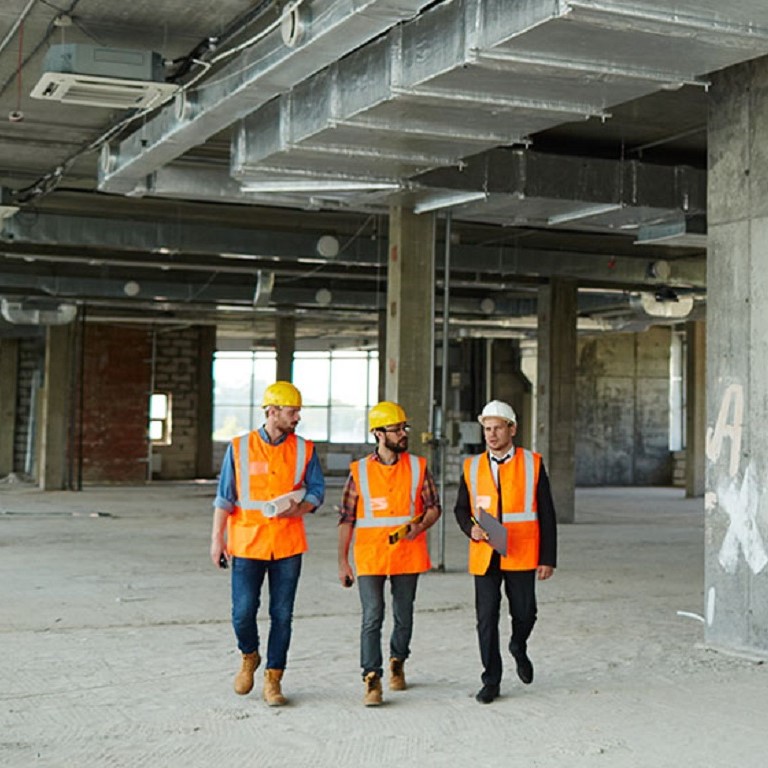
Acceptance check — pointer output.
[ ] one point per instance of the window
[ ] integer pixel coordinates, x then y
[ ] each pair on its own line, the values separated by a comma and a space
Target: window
337, 389
160, 418
239, 379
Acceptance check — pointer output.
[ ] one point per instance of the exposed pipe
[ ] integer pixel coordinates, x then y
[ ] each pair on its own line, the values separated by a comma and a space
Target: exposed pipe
152, 367
81, 414
442, 441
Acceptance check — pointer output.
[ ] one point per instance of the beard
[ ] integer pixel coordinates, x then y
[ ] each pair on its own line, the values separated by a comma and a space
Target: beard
401, 446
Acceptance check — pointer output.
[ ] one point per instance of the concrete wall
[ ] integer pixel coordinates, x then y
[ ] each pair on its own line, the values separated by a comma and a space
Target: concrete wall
622, 409
31, 363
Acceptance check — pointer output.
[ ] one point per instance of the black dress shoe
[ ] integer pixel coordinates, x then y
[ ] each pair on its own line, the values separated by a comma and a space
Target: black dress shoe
487, 694
524, 667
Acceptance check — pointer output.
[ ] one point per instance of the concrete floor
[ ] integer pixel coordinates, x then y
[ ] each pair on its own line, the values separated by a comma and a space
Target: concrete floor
117, 649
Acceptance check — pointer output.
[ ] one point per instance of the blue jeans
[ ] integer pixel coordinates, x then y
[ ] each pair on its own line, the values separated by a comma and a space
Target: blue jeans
247, 578
371, 589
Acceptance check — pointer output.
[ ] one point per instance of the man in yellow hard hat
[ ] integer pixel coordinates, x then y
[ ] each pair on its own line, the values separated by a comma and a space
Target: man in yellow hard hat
511, 485
388, 503
270, 478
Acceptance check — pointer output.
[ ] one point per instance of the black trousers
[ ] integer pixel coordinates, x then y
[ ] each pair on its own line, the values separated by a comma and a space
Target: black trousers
520, 588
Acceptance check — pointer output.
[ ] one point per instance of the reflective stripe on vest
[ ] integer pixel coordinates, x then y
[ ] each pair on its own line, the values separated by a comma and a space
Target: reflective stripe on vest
528, 514
369, 520
245, 501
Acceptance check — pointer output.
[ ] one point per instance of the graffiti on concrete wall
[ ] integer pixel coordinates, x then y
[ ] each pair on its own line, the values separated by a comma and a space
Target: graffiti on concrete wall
740, 501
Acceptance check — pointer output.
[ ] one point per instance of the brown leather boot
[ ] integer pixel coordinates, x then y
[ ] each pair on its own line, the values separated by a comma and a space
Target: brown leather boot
272, 693
397, 675
244, 678
372, 696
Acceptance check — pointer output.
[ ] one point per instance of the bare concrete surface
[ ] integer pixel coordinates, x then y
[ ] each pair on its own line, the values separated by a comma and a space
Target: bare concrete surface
116, 648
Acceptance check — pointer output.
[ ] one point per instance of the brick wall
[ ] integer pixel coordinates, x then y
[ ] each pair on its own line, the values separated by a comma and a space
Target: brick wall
115, 396
183, 371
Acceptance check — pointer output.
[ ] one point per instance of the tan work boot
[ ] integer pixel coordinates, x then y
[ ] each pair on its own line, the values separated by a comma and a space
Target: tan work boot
397, 675
244, 678
272, 693
372, 696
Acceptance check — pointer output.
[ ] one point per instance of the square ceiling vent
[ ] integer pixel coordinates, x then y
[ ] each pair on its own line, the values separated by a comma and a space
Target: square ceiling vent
103, 77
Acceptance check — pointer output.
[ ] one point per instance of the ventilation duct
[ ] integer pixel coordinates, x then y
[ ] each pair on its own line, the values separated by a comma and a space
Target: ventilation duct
20, 313
96, 76
665, 303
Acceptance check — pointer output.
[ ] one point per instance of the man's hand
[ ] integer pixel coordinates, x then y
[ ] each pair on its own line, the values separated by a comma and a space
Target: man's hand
346, 577
295, 510
544, 572
414, 530
478, 534
218, 549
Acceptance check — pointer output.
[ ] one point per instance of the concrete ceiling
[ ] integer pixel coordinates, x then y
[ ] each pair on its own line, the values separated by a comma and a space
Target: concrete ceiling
567, 138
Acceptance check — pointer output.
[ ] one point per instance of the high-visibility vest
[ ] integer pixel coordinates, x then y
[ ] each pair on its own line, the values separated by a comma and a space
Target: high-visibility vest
518, 479
389, 495
263, 472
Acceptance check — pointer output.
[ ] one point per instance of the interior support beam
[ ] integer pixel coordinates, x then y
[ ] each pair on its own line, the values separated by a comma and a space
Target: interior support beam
556, 408
695, 407
409, 356
9, 367
55, 417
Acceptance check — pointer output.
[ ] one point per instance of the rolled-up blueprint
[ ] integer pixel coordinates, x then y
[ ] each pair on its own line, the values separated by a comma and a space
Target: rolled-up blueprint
281, 503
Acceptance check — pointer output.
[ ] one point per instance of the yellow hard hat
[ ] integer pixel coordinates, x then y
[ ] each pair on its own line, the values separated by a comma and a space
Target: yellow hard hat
385, 413
283, 394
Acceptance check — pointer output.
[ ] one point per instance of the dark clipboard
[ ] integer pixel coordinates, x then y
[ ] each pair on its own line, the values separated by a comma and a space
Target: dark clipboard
497, 533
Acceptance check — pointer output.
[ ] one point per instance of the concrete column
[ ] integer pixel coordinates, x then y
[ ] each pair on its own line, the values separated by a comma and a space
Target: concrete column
9, 373
508, 383
736, 501
285, 346
556, 378
695, 406
382, 341
410, 318
55, 411
206, 350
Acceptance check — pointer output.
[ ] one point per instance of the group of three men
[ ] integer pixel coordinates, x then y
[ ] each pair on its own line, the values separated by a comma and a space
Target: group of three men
270, 478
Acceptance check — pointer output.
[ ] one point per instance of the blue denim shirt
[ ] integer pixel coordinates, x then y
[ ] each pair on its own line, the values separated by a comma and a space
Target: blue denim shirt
226, 494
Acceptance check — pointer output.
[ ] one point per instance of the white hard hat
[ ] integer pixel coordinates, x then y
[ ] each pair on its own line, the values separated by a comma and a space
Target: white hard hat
500, 410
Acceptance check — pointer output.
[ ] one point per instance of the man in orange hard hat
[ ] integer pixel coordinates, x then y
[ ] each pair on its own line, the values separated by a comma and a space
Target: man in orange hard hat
510, 484
270, 478
389, 502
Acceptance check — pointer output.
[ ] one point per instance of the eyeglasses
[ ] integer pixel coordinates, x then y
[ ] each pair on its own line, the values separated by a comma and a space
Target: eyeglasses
406, 428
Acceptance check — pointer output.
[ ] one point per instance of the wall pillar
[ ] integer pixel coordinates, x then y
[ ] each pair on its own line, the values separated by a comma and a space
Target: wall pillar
695, 407
56, 407
285, 346
410, 318
206, 350
736, 500
556, 380
9, 374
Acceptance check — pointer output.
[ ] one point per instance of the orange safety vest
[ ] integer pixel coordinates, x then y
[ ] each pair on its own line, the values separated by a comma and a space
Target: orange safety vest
389, 495
518, 479
263, 472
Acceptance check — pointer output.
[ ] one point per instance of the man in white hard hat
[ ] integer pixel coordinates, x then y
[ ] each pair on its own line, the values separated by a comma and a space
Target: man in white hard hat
510, 484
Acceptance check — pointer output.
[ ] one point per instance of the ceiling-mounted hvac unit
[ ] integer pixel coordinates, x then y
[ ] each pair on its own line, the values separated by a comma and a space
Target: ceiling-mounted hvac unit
103, 77
30, 313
